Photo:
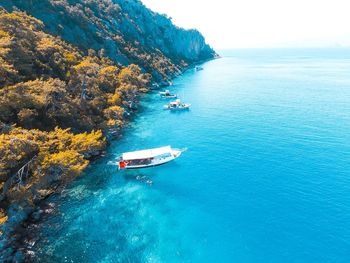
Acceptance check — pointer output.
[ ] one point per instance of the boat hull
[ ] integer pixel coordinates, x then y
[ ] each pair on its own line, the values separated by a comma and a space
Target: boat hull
175, 154
146, 166
185, 107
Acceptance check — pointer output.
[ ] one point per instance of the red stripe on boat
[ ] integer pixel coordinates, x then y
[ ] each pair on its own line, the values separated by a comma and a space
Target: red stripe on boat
122, 165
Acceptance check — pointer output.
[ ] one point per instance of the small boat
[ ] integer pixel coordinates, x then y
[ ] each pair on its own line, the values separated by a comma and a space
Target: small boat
167, 95
198, 68
149, 158
177, 105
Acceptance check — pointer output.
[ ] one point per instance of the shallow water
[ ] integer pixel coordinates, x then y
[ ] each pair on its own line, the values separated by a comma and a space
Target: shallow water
265, 179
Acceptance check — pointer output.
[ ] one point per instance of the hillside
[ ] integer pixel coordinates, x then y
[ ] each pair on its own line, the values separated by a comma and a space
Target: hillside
125, 30
71, 74
47, 83
57, 105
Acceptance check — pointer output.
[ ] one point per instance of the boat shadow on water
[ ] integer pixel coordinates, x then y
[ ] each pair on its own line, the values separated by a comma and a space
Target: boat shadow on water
184, 111
145, 176
138, 176
134, 175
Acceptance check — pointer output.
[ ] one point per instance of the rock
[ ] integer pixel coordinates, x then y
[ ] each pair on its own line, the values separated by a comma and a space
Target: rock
30, 253
48, 211
36, 216
18, 257
6, 255
45, 192
17, 214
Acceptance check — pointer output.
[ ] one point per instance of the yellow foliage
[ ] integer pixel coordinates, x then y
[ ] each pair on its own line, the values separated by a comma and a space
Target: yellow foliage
86, 64
109, 71
115, 99
114, 123
4, 34
20, 18
88, 141
31, 94
114, 112
44, 83
3, 219
5, 42
69, 162
47, 43
70, 57
108, 78
129, 73
59, 149
7, 71
80, 90
15, 148
26, 115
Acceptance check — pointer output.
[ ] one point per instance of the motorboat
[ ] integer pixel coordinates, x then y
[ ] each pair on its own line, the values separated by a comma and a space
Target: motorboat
198, 68
149, 158
167, 95
177, 105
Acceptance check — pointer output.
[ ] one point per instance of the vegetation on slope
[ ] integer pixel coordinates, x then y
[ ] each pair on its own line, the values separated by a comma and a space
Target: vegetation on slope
127, 31
70, 73
46, 83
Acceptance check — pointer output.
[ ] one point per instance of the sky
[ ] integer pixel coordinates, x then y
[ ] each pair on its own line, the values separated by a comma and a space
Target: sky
262, 23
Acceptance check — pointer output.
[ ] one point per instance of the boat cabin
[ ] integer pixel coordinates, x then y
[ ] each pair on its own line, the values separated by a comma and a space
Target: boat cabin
147, 158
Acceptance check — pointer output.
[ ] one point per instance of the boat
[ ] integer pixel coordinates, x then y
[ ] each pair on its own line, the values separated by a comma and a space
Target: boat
166, 94
177, 105
149, 158
198, 68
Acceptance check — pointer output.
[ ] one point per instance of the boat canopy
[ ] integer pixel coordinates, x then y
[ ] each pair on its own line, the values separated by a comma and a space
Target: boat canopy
144, 154
175, 102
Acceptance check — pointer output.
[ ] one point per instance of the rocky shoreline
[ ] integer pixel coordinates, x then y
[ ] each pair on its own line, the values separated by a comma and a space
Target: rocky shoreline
74, 72
19, 245
18, 233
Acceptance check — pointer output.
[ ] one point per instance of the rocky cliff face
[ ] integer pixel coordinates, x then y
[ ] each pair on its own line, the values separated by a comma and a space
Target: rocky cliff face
158, 31
124, 30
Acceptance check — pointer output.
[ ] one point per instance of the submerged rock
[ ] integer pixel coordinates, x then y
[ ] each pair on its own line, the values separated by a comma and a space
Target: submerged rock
18, 257
36, 216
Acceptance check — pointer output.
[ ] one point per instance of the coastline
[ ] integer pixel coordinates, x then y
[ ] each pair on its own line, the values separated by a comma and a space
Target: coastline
106, 215
69, 98
18, 233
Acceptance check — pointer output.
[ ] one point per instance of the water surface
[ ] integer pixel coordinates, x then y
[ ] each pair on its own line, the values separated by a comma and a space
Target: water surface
266, 177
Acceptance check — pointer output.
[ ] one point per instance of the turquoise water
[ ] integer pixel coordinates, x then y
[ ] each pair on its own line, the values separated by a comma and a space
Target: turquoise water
265, 179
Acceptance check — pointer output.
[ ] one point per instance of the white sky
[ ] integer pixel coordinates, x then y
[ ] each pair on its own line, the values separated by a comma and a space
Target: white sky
262, 23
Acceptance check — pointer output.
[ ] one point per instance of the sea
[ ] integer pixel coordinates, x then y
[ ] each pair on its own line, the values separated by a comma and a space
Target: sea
266, 177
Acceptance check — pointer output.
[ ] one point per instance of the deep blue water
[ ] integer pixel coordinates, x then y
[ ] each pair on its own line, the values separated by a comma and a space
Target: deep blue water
265, 179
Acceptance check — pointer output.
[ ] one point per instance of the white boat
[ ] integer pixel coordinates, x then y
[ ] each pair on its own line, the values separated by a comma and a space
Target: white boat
177, 105
149, 158
198, 68
166, 94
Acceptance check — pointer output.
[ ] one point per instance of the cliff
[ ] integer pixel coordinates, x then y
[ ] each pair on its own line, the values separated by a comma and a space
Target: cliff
125, 30
71, 73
